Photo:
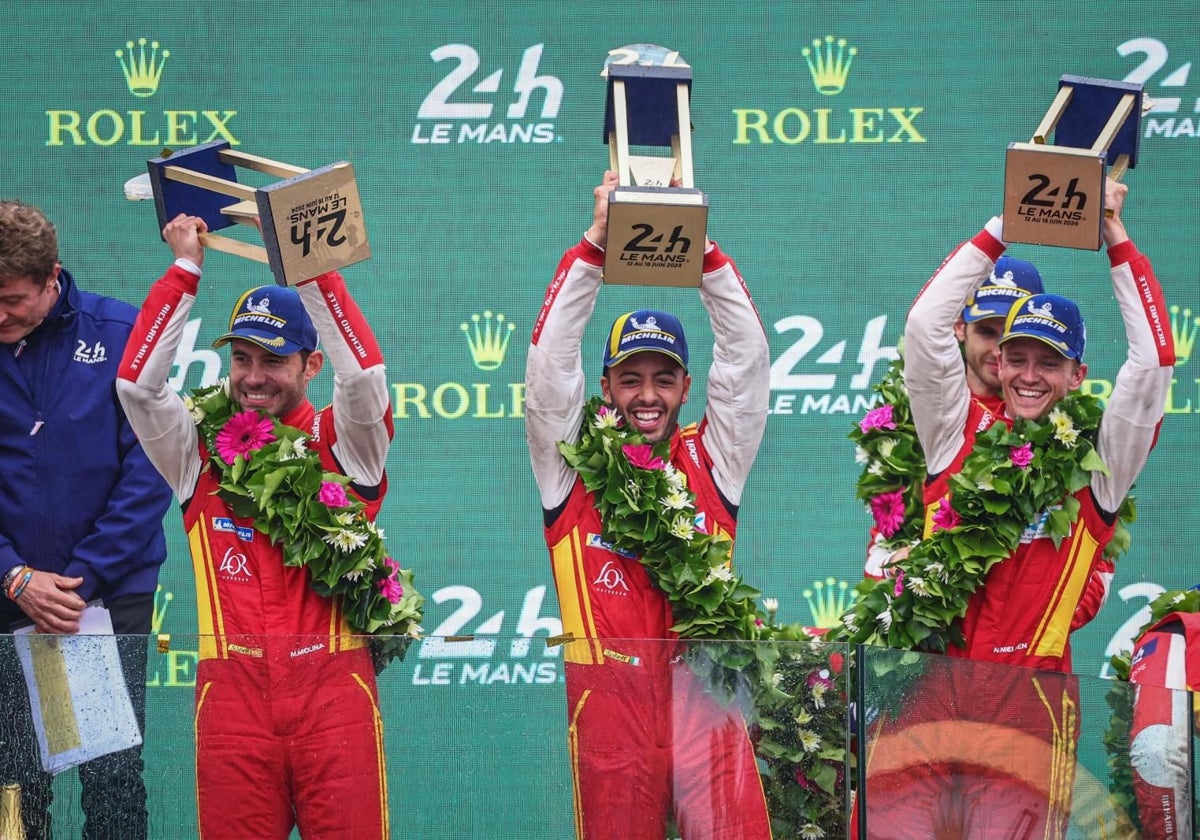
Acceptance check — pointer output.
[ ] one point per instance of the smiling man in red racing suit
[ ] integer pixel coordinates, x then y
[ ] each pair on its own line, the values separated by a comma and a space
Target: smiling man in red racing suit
288, 729
645, 738
1015, 727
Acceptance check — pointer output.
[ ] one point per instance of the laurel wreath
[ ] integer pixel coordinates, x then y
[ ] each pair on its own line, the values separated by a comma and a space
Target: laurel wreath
1011, 477
792, 687
279, 487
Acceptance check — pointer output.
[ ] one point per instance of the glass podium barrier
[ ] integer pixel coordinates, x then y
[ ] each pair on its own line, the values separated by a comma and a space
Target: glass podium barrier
492, 737
954, 748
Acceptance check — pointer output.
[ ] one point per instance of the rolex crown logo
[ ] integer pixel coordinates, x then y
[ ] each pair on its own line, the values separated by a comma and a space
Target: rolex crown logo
488, 339
829, 63
142, 69
1184, 328
828, 600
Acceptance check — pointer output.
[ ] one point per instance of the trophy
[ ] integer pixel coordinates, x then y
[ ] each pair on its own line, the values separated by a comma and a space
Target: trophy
311, 221
1054, 194
656, 232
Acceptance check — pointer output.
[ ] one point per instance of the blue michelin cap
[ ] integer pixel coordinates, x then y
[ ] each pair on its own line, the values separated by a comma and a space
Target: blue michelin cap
274, 318
645, 331
1051, 319
1010, 280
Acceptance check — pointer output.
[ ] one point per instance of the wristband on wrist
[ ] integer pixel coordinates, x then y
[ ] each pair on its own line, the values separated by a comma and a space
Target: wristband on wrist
11, 575
19, 584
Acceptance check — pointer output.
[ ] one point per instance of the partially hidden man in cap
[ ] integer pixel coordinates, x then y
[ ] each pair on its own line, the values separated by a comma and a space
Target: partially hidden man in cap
978, 330
1165, 664
287, 712
646, 740
1014, 774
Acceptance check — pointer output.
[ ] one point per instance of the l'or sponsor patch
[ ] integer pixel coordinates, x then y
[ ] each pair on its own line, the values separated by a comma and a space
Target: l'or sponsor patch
622, 657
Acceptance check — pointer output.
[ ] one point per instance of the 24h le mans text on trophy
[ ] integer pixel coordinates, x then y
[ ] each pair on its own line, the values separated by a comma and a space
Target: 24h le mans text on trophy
312, 220
1054, 194
656, 230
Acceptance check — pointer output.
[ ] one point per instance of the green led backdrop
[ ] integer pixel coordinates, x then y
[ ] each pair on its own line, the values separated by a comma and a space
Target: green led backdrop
475, 132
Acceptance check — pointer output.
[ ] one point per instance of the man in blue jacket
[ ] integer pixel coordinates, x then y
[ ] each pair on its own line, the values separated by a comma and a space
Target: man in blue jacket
81, 508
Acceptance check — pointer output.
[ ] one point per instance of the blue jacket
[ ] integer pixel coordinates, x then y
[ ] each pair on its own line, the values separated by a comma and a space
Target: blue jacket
77, 494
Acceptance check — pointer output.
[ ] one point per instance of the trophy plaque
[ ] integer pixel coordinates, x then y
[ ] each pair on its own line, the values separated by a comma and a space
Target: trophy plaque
311, 221
656, 231
1054, 194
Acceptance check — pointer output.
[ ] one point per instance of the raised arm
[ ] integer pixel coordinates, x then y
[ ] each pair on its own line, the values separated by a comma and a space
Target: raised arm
157, 414
1135, 409
554, 380
362, 413
739, 381
933, 364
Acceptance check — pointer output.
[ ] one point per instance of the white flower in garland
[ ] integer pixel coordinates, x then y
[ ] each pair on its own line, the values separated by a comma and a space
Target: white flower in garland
721, 573
887, 446
812, 831
938, 570
297, 449
676, 480
606, 418
885, 617
676, 500
804, 717
861, 456
818, 694
918, 586
345, 540
809, 741
771, 605
683, 526
198, 413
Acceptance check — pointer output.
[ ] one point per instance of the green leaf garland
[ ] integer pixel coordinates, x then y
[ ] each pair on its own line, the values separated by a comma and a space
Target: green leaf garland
280, 486
791, 686
1008, 480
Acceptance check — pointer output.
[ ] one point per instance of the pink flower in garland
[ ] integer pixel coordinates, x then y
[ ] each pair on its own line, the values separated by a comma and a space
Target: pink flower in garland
244, 433
946, 517
1022, 456
898, 589
332, 495
877, 418
888, 510
642, 456
390, 587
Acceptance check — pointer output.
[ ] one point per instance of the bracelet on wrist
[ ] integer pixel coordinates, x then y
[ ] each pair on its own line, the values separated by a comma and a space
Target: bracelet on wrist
11, 575
19, 584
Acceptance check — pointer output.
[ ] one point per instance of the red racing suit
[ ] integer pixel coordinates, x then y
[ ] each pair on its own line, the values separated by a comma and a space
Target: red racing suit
646, 739
1166, 662
288, 729
1016, 728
